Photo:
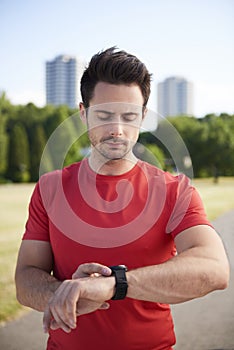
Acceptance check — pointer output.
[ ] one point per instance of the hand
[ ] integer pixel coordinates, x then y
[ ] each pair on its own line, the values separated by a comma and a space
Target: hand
79, 296
90, 270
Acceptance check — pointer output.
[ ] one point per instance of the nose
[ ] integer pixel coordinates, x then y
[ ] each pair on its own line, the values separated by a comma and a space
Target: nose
116, 129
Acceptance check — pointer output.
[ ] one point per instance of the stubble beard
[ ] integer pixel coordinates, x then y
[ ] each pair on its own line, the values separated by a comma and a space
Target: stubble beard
109, 154
102, 149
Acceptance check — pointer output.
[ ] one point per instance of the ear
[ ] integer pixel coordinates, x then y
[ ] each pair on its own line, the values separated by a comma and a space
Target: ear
145, 111
82, 112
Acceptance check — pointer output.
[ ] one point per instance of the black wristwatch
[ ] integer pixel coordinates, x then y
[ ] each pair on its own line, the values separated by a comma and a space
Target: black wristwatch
121, 284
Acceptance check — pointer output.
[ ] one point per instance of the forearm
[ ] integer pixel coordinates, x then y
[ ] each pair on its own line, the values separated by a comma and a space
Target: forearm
35, 287
182, 278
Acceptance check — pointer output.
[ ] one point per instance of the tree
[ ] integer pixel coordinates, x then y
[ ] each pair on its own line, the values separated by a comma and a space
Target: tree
150, 153
194, 134
38, 142
18, 155
219, 147
5, 109
55, 117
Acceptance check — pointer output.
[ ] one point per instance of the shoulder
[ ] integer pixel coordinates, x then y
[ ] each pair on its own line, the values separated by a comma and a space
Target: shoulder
172, 180
53, 177
52, 183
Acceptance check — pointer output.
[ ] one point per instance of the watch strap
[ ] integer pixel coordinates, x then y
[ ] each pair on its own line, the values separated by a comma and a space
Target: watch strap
121, 284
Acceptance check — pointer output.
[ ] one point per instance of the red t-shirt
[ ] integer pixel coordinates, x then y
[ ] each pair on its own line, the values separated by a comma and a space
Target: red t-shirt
129, 219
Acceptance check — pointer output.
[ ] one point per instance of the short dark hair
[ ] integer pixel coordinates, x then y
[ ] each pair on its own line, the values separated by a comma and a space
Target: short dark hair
114, 67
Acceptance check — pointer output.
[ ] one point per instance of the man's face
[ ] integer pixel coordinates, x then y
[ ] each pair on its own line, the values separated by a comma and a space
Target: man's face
114, 119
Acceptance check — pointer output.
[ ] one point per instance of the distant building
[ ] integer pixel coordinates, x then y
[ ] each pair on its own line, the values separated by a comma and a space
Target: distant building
62, 81
175, 97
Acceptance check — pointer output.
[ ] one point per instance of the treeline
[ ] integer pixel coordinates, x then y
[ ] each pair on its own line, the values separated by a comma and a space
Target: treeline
25, 131
209, 141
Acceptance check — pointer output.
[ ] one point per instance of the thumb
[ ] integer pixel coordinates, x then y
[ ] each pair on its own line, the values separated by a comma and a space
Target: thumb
47, 317
86, 270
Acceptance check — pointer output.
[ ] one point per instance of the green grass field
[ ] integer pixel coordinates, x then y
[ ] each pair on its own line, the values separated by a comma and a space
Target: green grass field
13, 213
218, 198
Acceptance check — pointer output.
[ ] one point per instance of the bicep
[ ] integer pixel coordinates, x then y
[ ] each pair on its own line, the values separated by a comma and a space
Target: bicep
200, 240
34, 253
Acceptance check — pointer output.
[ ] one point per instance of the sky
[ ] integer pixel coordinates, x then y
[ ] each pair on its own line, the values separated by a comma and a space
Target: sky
192, 39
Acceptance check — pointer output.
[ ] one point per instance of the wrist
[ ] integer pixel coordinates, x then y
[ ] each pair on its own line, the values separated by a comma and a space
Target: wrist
96, 288
53, 286
111, 285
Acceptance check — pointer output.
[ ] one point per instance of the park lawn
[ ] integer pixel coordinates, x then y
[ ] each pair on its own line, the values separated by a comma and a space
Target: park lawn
218, 199
13, 213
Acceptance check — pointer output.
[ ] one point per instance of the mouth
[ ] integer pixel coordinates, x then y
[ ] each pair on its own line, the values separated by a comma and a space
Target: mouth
115, 143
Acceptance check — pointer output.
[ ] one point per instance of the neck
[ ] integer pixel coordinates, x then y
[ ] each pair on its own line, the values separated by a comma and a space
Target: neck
112, 167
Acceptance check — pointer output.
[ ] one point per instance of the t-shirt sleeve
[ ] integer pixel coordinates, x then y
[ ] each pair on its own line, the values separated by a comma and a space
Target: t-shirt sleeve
188, 209
37, 225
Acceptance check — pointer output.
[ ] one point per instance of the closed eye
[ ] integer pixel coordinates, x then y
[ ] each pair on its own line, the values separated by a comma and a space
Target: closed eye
104, 115
109, 116
129, 117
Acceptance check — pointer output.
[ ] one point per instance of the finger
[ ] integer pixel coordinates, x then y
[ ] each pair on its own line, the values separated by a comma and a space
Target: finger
50, 323
91, 268
56, 322
60, 307
54, 325
79, 273
71, 302
47, 319
86, 306
64, 309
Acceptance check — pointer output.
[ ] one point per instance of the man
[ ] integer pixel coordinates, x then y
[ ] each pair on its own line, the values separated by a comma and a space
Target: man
91, 218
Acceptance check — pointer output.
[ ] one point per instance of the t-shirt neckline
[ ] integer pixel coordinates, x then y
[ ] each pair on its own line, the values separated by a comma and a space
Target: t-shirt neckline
127, 174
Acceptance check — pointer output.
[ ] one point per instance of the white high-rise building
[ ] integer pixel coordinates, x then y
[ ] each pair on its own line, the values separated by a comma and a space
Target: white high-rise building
62, 81
175, 97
